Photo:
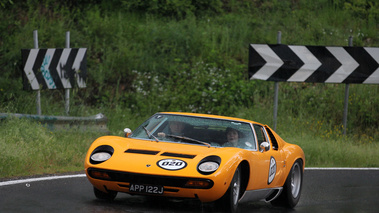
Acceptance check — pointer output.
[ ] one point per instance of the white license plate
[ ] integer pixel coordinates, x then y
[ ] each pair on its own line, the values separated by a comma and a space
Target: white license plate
146, 189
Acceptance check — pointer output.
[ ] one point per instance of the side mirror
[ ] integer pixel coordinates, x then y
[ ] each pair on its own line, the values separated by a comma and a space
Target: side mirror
265, 146
127, 132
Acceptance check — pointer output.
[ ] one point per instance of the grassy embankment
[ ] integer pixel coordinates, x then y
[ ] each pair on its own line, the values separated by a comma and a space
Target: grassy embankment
141, 64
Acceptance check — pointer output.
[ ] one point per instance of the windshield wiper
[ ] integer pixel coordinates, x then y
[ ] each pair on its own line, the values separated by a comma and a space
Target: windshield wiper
150, 135
189, 139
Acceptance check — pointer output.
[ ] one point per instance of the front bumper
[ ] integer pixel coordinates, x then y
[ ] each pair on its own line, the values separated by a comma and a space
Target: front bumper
184, 187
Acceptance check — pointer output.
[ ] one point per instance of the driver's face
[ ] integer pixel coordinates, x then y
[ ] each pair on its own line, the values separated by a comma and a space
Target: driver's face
176, 127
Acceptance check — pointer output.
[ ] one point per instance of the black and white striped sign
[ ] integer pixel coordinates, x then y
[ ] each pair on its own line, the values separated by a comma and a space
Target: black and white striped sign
318, 64
54, 68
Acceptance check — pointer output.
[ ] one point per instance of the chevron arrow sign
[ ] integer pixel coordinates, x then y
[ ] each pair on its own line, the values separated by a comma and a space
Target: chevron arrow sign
54, 68
318, 64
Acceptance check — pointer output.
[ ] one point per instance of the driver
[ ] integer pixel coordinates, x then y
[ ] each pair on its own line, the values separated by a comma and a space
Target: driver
175, 128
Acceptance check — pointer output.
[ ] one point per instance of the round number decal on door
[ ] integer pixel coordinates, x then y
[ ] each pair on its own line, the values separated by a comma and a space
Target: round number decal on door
272, 171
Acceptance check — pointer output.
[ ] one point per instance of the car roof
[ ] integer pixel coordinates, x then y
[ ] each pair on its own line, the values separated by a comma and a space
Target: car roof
211, 116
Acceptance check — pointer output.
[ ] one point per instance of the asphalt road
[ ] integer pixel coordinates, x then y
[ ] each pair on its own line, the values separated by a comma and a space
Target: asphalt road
323, 191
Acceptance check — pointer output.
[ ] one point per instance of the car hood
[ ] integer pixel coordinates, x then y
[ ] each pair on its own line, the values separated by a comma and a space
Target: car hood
143, 156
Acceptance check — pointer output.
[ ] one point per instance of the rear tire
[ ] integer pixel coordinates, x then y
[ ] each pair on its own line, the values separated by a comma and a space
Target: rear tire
111, 195
292, 187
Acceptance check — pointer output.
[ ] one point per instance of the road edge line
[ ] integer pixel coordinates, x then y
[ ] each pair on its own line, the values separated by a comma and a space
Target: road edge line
29, 180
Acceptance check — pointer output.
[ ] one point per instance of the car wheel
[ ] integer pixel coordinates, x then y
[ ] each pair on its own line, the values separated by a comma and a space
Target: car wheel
111, 195
292, 187
229, 202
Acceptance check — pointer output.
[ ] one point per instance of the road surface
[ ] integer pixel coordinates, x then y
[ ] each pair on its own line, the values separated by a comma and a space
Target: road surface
324, 190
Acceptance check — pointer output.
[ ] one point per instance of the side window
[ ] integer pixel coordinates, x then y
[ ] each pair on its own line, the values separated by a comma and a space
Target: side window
273, 139
261, 136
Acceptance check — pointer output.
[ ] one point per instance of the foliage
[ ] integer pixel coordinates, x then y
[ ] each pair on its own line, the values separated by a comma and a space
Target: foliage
172, 8
209, 91
191, 55
365, 9
189, 63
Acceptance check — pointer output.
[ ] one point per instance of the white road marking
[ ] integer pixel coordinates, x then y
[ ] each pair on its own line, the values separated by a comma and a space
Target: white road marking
340, 168
29, 180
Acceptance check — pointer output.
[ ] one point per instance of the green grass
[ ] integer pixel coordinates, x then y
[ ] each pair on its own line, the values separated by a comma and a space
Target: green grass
328, 147
28, 148
341, 152
324, 145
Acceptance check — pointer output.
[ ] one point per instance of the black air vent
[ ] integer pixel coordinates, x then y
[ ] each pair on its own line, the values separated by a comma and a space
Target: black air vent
141, 151
172, 181
171, 154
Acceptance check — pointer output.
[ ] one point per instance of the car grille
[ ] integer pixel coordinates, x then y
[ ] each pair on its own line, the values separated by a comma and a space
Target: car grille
127, 177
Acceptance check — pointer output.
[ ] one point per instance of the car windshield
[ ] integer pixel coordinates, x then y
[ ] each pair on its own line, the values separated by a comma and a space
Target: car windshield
197, 130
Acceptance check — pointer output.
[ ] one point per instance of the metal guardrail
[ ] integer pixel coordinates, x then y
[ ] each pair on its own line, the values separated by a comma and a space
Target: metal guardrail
92, 123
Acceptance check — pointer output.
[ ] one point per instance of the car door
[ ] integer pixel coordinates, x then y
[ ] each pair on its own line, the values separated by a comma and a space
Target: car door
270, 161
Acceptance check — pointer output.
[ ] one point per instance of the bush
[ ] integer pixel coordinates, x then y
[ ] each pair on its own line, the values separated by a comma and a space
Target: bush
145, 62
175, 8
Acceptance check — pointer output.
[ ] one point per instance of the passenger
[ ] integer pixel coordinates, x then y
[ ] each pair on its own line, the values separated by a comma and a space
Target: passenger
232, 137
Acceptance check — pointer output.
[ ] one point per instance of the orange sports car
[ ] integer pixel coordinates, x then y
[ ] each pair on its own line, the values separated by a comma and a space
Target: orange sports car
206, 157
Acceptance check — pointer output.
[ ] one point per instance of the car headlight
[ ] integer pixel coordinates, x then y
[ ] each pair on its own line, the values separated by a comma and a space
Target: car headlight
208, 167
209, 164
101, 154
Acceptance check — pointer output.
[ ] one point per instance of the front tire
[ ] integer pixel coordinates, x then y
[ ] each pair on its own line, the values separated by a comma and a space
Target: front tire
229, 202
290, 195
111, 195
